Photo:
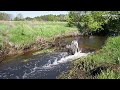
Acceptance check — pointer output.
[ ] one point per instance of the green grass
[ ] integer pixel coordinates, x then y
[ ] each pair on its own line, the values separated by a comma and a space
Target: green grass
26, 32
109, 54
109, 74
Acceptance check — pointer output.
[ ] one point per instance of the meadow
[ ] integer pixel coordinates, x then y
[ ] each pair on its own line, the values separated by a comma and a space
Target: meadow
24, 33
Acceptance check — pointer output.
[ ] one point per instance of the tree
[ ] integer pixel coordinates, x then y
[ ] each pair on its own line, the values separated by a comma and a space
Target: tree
51, 17
74, 17
6, 17
19, 17
91, 21
28, 18
11, 17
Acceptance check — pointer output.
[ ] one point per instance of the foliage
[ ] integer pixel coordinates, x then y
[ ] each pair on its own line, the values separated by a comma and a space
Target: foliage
28, 18
19, 17
26, 32
51, 17
109, 74
5, 16
90, 21
4, 38
113, 25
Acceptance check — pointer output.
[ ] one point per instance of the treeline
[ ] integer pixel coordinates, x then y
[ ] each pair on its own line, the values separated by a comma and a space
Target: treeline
95, 22
19, 17
51, 18
6, 17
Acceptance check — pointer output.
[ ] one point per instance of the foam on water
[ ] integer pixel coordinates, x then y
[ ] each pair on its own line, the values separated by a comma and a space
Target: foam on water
55, 61
64, 59
36, 70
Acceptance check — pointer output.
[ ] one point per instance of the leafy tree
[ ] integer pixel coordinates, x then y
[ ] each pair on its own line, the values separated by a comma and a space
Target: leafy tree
51, 18
91, 21
28, 18
6, 17
19, 17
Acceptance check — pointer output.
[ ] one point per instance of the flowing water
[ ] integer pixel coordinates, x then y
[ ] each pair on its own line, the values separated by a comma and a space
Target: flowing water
50, 65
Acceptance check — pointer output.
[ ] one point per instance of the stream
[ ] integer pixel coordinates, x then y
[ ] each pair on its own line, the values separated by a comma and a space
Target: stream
49, 65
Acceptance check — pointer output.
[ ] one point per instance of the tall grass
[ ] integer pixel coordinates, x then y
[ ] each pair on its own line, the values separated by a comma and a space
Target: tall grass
26, 32
109, 74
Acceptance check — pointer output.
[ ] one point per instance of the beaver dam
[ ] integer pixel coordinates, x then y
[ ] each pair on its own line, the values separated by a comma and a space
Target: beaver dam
49, 65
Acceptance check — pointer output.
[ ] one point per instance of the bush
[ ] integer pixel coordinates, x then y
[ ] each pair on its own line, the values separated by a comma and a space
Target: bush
95, 21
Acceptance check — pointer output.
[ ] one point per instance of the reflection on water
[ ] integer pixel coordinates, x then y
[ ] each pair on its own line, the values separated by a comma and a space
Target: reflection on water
93, 42
36, 66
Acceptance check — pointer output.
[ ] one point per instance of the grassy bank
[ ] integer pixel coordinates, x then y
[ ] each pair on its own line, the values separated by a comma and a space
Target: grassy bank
23, 35
104, 64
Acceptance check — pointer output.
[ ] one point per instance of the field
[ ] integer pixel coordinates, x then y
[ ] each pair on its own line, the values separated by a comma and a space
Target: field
22, 35
25, 32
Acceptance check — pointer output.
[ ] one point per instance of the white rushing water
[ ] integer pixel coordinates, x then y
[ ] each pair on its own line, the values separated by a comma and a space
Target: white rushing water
77, 55
54, 62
